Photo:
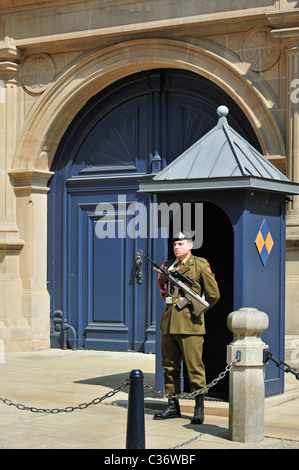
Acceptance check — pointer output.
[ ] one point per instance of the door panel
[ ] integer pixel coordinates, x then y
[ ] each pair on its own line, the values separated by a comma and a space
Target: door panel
104, 294
98, 300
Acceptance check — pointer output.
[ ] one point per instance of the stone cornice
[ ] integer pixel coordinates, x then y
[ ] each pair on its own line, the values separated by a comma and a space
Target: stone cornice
12, 6
9, 62
98, 19
30, 180
11, 245
284, 18
289, 36
9, 70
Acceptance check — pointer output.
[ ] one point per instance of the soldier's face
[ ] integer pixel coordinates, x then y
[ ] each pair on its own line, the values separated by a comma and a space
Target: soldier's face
182, 248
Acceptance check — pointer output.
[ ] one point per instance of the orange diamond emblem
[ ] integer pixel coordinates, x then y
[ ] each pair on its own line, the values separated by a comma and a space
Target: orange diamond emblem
264, 242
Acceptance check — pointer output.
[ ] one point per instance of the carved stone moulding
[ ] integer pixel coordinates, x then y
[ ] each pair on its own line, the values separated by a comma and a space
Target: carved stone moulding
260, 49
37, 72
30, 181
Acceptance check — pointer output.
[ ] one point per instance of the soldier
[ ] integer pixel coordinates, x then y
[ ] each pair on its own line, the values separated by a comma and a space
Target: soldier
182, 332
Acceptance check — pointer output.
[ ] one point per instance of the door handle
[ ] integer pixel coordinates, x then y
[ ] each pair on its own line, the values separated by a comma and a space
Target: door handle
139, 266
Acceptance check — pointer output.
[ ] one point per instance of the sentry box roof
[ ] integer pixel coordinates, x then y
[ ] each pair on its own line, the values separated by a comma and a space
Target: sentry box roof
221, 159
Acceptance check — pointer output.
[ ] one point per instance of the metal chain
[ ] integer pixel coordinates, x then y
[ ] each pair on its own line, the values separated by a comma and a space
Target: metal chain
98, 400
185, 395
67, 409
280, 364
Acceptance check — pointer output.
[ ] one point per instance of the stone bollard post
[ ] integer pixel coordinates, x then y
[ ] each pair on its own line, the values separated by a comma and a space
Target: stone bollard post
247, 377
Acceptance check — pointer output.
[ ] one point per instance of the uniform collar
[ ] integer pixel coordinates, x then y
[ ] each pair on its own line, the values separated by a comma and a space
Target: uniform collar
189, 262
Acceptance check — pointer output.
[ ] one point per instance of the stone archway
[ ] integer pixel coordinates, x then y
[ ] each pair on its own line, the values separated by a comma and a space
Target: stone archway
93, 71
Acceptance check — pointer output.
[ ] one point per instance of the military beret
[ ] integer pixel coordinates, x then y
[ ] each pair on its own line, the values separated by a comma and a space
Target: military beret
182, 236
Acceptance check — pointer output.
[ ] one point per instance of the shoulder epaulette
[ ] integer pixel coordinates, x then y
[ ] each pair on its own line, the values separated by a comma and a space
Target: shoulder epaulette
203, 260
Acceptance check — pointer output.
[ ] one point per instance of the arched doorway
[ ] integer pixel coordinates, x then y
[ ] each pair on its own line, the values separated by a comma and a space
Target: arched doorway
117, 139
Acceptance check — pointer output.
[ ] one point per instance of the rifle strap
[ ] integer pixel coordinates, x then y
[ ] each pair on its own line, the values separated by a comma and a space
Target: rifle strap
163, 286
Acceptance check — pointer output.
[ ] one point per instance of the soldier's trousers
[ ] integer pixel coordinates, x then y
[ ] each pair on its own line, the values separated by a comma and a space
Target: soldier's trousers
175, 348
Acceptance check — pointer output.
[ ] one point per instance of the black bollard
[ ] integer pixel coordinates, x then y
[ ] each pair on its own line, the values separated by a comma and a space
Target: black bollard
135, 418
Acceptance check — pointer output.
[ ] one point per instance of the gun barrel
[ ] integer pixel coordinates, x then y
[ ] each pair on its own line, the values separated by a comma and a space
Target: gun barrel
157, 270
153, 262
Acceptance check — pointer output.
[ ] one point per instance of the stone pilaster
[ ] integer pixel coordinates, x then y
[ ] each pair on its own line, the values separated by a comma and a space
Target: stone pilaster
14, 327
290, 38
292, 53
31, 191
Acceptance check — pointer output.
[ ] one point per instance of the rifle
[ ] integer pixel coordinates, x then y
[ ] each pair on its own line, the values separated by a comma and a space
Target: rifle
179, 281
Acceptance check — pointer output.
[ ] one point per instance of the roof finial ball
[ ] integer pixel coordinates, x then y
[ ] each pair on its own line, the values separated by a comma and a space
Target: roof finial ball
222, 111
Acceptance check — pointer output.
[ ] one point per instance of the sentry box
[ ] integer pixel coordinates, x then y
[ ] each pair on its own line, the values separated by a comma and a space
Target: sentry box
243, 198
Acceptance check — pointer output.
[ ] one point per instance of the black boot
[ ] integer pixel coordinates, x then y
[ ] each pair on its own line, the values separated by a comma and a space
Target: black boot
198, 417
171, 411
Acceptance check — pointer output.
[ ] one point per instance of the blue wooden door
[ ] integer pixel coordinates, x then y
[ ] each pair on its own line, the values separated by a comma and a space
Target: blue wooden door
123, 134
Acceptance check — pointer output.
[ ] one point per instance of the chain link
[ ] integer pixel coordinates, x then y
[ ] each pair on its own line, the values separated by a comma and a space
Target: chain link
280, 364
98, 400
189, 396
67, 409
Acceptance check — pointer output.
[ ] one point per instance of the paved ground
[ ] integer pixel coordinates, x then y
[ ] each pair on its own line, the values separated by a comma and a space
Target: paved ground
58, 379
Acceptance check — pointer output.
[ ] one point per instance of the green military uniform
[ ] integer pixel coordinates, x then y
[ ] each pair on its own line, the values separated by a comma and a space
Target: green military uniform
182, 332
